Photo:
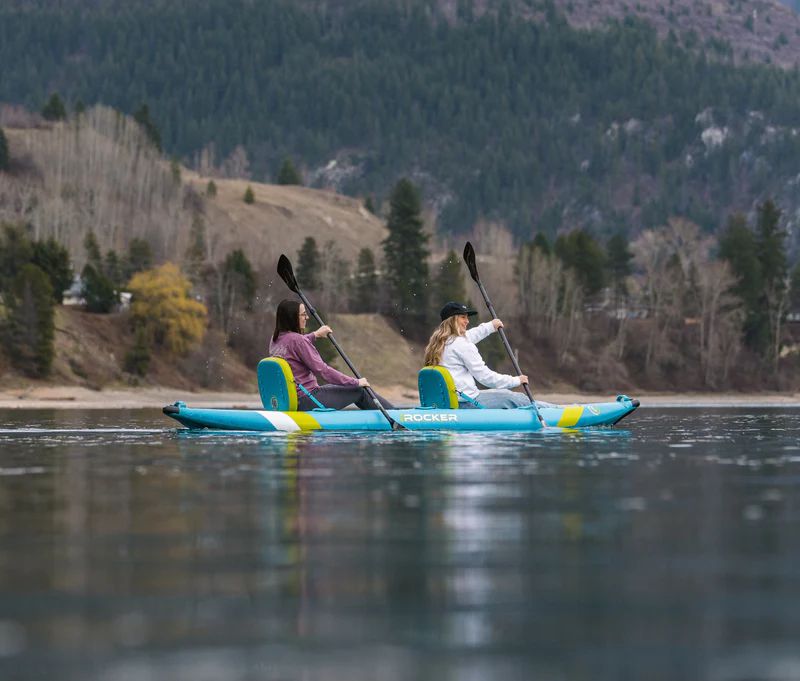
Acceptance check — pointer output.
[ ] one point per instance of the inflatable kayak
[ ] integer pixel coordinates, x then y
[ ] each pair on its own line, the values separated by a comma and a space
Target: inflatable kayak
418, 418
440, 409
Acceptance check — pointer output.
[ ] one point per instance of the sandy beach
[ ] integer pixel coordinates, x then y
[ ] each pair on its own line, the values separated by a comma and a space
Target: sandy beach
74, 397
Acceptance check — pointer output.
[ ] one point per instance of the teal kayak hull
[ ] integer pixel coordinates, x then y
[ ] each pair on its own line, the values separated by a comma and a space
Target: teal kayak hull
419, 418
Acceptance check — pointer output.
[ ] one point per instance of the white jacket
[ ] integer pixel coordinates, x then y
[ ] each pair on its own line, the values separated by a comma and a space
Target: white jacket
461, 357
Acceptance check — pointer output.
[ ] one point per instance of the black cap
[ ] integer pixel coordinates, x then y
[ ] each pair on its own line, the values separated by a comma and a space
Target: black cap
451, 309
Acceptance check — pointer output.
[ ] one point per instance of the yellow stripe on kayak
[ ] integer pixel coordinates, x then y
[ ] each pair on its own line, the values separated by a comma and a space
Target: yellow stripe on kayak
572, 414
305, 421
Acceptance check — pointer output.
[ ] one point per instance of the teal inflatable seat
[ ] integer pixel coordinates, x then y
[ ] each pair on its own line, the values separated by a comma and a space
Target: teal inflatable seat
276, 385
437, 390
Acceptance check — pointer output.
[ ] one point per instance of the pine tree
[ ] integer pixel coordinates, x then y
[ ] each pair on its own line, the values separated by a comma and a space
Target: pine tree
5, 156
53, 259
98, 290
580, 251
619, 264
770, 240
142, 117
137, 359
249, 197
449, 280
138, 259
405, 252
540, 241
92, 248
29, 328
196, 251
365, 283
54, 109
113, 269
211, 189
15, 251
308, 264
288, 174
369, 204
737, 245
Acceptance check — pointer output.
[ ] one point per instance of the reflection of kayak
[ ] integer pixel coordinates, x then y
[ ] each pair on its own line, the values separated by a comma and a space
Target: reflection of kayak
420, 418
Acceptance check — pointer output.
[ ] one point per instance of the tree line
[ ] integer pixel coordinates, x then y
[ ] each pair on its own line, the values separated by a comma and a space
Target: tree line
501, 118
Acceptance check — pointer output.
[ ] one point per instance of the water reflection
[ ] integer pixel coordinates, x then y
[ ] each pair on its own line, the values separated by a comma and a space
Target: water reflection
133, 551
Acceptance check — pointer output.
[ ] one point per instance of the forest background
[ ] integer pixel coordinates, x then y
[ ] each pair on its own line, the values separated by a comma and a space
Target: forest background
631, 189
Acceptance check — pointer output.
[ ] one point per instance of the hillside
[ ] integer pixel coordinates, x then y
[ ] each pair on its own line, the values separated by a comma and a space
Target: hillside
101, 174
608, 115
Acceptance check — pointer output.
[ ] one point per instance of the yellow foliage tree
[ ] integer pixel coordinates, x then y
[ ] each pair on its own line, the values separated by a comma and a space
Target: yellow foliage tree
161, 302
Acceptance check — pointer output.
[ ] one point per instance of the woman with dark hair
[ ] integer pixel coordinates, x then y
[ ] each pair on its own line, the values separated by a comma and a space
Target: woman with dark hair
297, 348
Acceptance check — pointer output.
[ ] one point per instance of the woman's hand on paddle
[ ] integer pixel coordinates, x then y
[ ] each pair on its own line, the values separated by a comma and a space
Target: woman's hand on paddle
363, 382
497, 324
323, 331
522, 379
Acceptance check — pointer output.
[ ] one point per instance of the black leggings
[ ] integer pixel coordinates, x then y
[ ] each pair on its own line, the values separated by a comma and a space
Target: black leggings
339, 397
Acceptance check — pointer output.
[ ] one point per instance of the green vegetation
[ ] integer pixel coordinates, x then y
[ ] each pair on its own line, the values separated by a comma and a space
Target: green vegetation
518, 121
249, 197
53, 259
288, 173
54, 109
308, 264
365, 283
29, 328
448, 284
5, 155
405, 253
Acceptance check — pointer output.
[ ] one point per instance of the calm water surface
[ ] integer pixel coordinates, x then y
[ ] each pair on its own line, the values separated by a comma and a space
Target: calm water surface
670, 549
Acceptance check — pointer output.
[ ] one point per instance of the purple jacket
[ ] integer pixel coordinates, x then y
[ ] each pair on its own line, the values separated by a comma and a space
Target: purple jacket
304, 360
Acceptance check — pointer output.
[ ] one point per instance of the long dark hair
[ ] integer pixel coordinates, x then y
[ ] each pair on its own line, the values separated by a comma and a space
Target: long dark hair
287, 317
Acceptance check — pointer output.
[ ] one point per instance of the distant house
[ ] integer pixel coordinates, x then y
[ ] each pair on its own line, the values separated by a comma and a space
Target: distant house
74, 294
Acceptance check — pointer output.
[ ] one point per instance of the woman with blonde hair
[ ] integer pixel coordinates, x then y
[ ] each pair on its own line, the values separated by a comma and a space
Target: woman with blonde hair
453, 346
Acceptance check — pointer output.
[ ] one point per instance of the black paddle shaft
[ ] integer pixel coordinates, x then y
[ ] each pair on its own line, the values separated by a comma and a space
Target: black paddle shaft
469, 258
286, 273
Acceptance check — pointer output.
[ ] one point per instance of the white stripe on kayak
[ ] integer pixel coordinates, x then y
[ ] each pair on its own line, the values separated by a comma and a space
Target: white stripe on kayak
280, 420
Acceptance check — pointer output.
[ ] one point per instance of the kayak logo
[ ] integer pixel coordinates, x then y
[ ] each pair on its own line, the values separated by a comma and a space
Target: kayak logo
430, 418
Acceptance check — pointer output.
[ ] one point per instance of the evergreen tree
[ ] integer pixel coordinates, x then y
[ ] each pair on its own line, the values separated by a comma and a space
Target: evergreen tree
114, 269
138, 259
249, 197
15, 251
54, 109
238, 280
5, 156
365, 283
196, 251
770, 240
92, 249
369, 204
405, 252
79, 108
449, 280
619, 264
53, 259
211, 189
580, 251
137, 359
737, 245
29, 328
142, 117
288, 173
540, 241
308, 264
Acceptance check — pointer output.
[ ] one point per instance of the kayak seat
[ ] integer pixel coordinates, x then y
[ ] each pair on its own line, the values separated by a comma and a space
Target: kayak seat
437, 390
276, 385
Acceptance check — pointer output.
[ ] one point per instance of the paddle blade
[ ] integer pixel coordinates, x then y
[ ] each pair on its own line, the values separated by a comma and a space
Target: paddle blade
286, 273
469, 258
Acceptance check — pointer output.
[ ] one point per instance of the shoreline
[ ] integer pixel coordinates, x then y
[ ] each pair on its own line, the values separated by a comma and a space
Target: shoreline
75, 397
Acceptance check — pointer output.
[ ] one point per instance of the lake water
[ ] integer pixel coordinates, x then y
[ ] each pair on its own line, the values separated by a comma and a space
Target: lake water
667, 549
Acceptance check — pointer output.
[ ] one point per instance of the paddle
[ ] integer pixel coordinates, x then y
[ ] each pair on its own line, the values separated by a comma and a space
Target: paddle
287, 274
469, 258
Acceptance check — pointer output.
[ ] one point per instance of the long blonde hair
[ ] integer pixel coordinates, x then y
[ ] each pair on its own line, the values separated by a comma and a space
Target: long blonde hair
443, 333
